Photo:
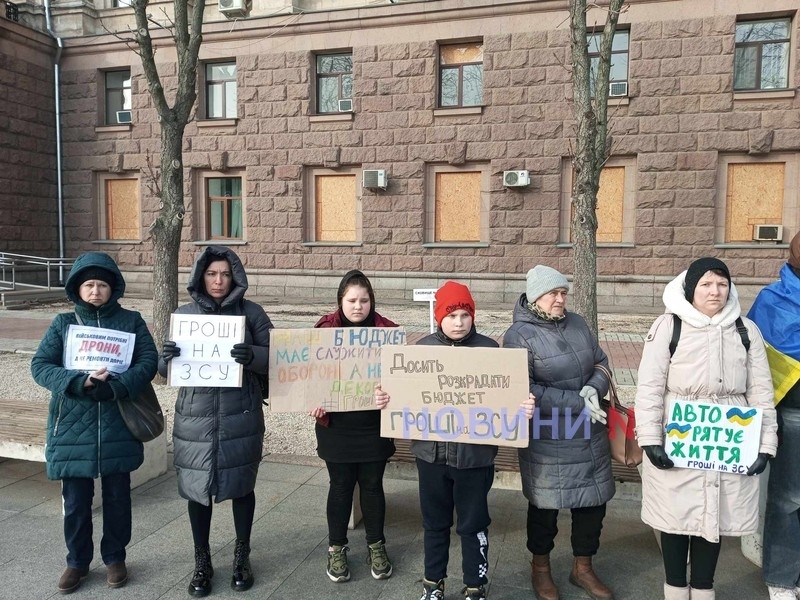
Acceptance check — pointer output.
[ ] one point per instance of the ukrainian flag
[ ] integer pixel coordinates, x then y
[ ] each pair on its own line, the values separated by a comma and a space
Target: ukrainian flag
776, 311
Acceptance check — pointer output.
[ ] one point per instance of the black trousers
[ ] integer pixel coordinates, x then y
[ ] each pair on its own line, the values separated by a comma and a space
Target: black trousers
702, 558
441, 489
587, 523
343, 479
244, 509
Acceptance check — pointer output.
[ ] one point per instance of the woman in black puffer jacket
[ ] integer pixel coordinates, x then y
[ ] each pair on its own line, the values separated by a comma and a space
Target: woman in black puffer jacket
562, 467
218, 435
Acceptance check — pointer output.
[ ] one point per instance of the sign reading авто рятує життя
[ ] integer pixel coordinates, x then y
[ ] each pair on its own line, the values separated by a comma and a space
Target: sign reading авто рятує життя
444, 393
713, 437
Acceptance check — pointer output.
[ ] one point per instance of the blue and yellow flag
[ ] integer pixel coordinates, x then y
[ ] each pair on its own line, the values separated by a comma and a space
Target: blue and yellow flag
776, 311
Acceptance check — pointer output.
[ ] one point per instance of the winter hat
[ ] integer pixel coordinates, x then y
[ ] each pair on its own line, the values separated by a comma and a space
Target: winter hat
699, 268
453, 296
97, 273
355, 277
794, 251
543, 279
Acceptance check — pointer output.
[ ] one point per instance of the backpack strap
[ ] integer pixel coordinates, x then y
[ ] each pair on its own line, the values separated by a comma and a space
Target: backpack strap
676, 334
743, 334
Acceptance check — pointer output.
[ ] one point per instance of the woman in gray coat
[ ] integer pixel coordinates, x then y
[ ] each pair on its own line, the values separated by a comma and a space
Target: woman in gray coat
568, 461
219, 432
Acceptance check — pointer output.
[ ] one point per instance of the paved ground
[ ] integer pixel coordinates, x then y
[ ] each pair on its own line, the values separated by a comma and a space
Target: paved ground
289, 535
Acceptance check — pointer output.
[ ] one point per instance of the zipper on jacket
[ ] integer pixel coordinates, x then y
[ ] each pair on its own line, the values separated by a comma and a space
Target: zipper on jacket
99, 410
58, 415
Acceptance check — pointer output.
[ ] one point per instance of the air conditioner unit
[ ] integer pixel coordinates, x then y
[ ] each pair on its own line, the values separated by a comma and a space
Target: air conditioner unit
618, 89
123, 116
516, 178
375, 178
232, 7
767, 233
346, 105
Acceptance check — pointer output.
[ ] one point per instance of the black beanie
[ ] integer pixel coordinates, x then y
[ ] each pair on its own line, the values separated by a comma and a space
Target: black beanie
355, 277
98, 273
699, 268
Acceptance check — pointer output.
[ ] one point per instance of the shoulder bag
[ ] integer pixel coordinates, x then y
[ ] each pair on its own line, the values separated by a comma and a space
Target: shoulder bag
621, 426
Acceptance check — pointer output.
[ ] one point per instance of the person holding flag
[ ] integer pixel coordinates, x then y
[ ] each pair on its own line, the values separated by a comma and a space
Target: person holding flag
776, 311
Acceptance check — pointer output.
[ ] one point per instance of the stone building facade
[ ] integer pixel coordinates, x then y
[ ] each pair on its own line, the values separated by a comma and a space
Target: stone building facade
445, 98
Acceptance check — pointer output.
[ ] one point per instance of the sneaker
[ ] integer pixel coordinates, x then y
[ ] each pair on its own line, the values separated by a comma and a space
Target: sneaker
378, 560
338, 570
776, 593
432, 590
474, 593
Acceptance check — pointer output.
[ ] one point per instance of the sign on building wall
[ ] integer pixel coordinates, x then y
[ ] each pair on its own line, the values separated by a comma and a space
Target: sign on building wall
451, 394
713, 437
332, 368
205, 342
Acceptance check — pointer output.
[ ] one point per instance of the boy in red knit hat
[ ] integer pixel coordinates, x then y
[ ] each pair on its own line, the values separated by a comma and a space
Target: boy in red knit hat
455, 474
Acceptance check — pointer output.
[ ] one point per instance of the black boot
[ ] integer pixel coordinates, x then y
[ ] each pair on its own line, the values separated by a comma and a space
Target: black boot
242, 578
200, 585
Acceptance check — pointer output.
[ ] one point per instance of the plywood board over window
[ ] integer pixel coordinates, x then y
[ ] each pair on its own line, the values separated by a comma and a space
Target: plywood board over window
458, 207
122, 209
754, 196
335, 208
610, 200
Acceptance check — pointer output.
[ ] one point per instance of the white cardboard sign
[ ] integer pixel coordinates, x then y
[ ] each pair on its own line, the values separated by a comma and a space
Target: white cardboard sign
91, 348
205, 342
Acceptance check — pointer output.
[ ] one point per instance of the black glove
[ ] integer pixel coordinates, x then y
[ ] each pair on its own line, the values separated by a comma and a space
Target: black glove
101, 391
761, 463
658, 457
169, 351
242, 353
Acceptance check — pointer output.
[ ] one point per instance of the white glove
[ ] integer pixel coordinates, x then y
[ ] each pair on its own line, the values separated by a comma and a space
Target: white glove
592, 402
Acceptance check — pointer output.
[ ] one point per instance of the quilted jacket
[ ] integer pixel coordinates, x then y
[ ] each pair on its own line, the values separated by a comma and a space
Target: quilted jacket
87, 438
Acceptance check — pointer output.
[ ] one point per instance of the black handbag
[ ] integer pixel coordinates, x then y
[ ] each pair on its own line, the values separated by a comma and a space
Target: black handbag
143, 415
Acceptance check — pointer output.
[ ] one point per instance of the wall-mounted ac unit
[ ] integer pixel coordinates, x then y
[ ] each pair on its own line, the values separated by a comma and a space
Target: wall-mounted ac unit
767, 233
346, 105
123, 116
516, 178
232, 8
375, 178
618, 89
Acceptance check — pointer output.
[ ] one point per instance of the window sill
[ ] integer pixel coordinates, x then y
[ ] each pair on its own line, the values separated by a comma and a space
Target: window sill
341, 244
457, 111
619, 101
126, 242
751, 245
455, 245
113, 128
600, 245
220, 242
345, 116
217, 123
764, 95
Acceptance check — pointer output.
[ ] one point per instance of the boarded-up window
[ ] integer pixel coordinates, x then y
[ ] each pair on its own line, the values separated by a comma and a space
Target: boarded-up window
610, 202
122, 209
335, 208
754, 196
457, 215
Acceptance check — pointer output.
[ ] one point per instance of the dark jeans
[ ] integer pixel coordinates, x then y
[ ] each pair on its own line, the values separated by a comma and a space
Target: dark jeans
703, 560
78, 493
343, 479
441, 489
244, 509
586, 526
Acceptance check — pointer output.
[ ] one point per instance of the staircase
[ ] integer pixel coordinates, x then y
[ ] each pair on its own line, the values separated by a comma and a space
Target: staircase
28, 279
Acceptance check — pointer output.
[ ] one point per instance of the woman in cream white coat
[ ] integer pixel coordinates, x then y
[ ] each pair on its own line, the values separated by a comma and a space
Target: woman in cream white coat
692, 508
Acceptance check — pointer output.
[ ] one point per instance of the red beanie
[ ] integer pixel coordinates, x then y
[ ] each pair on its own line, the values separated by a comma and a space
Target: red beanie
450, 297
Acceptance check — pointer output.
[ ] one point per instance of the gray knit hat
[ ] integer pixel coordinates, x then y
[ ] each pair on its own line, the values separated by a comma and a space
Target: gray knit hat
543, 279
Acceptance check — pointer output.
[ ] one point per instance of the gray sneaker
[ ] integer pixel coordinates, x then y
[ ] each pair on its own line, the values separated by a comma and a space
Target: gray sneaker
337, 570
378, 560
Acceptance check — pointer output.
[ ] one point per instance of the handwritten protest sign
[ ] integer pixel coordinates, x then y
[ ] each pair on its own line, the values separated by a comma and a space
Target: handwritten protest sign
90, 348
470, 395
713, 437
205, 342
332, 368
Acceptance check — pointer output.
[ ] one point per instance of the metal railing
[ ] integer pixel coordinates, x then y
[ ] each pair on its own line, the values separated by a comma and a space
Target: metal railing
21, 271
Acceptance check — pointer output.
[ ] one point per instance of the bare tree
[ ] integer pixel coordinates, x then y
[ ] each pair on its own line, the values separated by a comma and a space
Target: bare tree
186, 29
590, 105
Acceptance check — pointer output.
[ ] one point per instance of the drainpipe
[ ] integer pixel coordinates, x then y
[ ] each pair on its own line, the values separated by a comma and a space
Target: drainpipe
59, 168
